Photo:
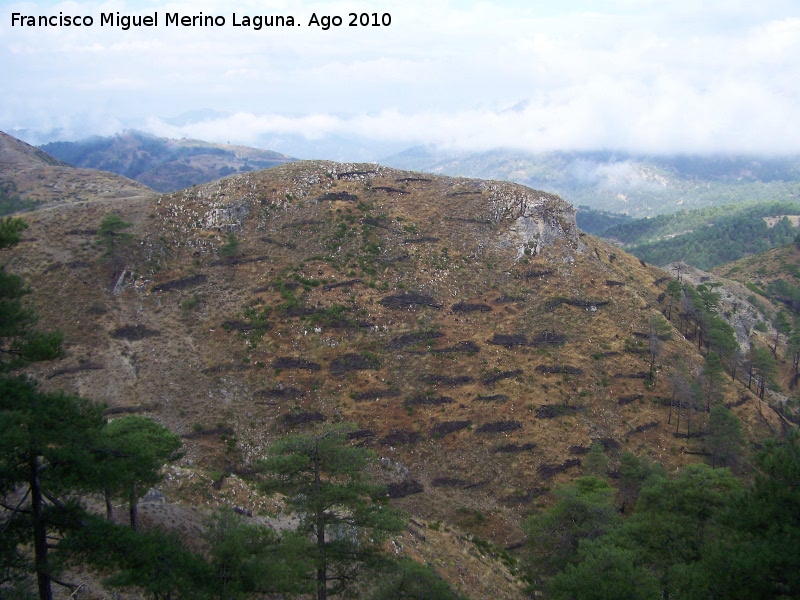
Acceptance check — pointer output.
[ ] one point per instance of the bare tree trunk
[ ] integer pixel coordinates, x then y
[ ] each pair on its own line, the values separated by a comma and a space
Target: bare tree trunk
671, 402
39, 533
109, 505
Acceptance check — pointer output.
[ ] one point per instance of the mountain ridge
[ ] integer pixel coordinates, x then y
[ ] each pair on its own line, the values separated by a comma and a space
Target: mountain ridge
163, 164
637, 185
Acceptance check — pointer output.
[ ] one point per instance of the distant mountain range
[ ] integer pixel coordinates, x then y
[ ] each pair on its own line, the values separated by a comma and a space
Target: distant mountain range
634, 185
162, 164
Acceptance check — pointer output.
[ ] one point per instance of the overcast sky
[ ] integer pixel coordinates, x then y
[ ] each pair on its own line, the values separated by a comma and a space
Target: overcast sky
637, 75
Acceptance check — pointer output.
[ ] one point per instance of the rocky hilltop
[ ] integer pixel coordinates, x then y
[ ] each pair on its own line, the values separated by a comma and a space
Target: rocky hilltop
479, 341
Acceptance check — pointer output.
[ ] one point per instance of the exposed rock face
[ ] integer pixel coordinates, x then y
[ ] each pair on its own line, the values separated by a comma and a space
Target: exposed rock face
538, 219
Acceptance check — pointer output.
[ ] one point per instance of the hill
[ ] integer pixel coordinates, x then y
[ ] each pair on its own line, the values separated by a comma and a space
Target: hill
635, 185
708, 237
477, 338
163, 164
30, 178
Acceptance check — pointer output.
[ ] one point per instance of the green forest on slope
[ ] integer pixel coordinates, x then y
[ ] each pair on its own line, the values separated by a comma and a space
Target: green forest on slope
707, 237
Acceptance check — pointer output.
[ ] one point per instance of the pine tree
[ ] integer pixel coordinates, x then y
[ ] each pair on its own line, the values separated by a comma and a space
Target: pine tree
134, 449
724, 436
342, 514
112, 237
45, 454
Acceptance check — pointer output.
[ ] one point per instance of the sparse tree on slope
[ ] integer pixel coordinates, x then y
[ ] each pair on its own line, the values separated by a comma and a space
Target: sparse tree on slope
134, 449
340, 511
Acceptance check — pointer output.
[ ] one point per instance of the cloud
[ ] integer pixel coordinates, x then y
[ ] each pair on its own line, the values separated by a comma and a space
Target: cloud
646, 76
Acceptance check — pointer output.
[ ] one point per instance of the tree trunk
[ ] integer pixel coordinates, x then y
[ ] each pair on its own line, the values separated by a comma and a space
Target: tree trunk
39, 533
133, 508
322, 565
671, 402
109, 505
689, 418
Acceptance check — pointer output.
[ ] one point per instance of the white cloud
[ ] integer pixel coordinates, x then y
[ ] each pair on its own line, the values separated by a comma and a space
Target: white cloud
653, 76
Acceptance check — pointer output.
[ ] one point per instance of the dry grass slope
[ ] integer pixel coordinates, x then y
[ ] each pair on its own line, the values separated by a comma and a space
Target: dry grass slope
325, 344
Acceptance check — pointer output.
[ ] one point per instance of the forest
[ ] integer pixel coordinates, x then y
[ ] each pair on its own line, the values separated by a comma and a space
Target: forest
708, 237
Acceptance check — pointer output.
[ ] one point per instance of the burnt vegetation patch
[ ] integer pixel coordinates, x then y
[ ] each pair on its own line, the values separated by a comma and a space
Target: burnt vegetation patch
556, 302
547, 471
401, 437
553, 411
354, 362
133, 333
348, 283
563, 369
466, 307
625, 400
643, 428
446, 379
425, 400
269, 240
410, 339
508, 299
405, 488
181, 284
292, 363
409, 300
493, 378
508, 340
515, 448
389, 189
87, 366
379, 222
464, 193
207, 432
302, 418
442, 429
238, 325
230, 262
499, 427
494, 398
361, 434
338, 196
537, 274
548, 338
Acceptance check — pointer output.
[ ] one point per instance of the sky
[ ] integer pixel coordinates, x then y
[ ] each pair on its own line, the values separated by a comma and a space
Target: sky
685, 76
